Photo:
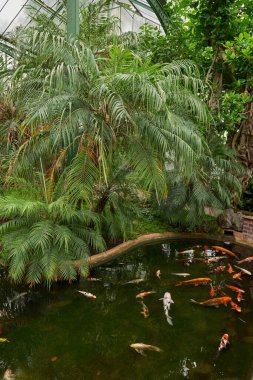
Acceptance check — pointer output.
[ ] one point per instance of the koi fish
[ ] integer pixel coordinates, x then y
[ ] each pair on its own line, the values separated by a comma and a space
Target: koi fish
187, 252
181, 274
167, 301
93, 279
189, 261
239, 297
9, 375
237, 275
140, 347
18, 296
235, 289
219, 269
216, 302
224, 250
145, 310
4, 340
230, 269
235, 307
158, 274
244, 270
137, 281
212, 291
215, 259
141, 295
247, 260
224, 342
195, 281
86, 294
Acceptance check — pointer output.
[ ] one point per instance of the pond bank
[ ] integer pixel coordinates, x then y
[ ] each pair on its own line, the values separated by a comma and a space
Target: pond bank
114, 252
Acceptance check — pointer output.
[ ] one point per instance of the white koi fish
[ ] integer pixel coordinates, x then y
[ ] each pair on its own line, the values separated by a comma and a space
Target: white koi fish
158, 274
167, 301
245, 271
86, 294
9, 375
140, 347
187, 252
181, 274
137, 281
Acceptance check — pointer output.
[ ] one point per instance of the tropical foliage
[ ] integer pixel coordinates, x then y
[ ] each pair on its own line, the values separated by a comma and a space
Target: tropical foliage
94, 131
41, 239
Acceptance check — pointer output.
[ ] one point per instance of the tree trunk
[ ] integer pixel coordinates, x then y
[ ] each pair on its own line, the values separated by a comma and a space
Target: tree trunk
243, 144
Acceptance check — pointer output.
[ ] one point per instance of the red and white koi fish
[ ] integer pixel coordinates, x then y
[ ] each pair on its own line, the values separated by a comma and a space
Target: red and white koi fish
219, 269
245, 271
239, 297
216, 258
158, 274
195, 281
216, 302
140, 347
224, 342
144, 294
230, 269
224, 250
235, 289
145, 310
86, 294
235, 307
247, 260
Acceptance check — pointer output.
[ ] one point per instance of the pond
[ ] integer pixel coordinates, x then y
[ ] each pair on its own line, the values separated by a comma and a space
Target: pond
62, 335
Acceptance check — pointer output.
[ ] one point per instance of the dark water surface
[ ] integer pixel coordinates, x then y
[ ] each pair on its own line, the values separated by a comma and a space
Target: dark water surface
61, 335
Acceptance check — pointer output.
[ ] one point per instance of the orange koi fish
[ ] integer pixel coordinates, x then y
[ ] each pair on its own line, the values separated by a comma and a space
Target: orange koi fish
86, 294
235, 289
195, 281
216, 302
224, 342
230, 269
239, 297
247, 260
141, 295
235, 307
237, 275
224, 250
212, 291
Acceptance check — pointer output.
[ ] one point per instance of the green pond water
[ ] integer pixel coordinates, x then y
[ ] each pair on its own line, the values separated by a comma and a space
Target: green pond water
62, 335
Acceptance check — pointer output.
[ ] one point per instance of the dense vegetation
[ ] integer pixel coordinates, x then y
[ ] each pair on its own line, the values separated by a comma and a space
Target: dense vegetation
105, 135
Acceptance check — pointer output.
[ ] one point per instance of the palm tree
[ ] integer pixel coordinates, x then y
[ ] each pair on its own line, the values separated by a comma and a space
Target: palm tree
41, 239
78, 102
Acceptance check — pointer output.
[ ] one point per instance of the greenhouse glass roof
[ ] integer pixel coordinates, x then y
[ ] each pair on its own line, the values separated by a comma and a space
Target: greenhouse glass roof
131, 13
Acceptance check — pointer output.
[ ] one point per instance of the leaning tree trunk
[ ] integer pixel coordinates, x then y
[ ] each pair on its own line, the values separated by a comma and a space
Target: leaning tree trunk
243, 144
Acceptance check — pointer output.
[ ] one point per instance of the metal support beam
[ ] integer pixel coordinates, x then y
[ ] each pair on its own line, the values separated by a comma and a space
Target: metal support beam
73, 22
158, 9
